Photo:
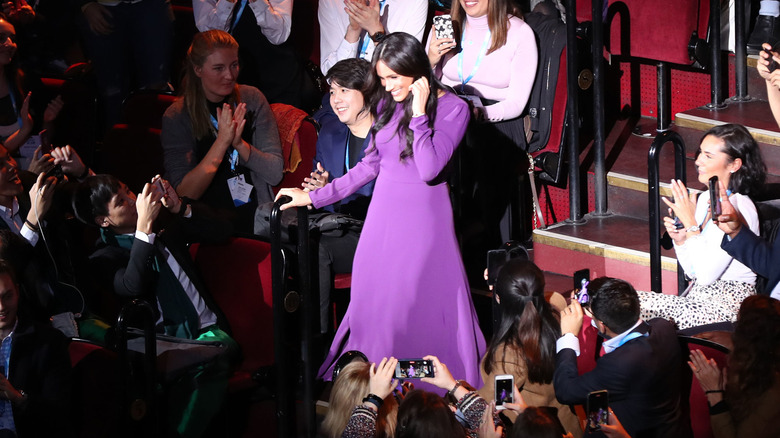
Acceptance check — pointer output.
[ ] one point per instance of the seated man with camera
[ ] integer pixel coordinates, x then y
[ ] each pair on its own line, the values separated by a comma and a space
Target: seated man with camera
641, 368
144, 255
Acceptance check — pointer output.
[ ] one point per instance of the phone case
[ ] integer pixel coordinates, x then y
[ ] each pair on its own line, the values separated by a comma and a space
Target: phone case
443, 26
503, 390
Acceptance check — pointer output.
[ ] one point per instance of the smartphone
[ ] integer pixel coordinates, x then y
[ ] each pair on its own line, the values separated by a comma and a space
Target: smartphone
443, 26
772, 63
414, 369
55, 172
714, 198
597, 409
678, 223
495, 260
504, 390
158, 182
46, 145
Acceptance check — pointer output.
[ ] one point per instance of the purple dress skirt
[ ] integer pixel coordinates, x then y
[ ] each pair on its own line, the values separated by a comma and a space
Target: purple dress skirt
410, 296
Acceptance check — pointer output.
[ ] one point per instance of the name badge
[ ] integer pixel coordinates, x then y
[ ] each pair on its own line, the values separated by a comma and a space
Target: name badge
240, 190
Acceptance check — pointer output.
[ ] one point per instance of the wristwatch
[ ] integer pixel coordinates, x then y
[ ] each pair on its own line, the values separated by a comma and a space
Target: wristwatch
378, 37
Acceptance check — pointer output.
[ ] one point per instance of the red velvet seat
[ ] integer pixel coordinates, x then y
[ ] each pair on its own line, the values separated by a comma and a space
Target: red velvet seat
132, 153
238, 275
95, 389
305, 137
146, 108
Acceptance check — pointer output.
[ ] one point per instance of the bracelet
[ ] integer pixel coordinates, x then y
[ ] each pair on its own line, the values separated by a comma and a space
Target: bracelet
375, 399
458, 384
715, 391
29, 224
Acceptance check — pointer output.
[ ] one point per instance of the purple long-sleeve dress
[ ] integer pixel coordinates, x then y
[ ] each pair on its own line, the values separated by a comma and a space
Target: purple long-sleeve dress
410, 296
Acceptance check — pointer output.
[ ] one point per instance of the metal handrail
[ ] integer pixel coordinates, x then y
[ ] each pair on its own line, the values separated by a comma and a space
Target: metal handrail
599, 128
573, 132
654, 200
284, 401
310, 315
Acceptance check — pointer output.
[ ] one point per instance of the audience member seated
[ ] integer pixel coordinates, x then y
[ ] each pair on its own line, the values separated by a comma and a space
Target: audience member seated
268, 58
641, 367
16, 121
421, 413
745, 402
143, 257
35, 379
495, 70
341, 144
129, 44
220, 141
348, 390
523, 345
720, 283
352, 28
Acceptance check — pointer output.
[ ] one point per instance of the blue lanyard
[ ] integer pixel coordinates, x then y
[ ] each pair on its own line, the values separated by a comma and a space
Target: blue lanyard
13, 104
481, 55
366, 37
238, 15
346, 154
233, 158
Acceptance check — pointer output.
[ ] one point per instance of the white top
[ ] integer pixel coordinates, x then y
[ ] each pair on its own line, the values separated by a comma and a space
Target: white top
403, 16
701, 256
273, 16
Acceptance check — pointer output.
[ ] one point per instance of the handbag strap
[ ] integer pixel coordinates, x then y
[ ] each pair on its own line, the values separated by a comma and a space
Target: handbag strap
538, 216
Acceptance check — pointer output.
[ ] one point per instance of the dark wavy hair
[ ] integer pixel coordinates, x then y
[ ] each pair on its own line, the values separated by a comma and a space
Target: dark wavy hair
528, 322
404, 55
754, 364
738, 143
614, 302
424, 414
538, 422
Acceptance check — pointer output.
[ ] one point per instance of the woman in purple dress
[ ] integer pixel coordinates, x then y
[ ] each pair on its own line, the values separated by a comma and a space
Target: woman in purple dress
410, 297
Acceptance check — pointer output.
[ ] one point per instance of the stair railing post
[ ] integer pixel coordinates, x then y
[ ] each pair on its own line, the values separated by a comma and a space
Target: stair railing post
654, 201
284, 412
573, 131
600, 175
310, 315
740, 51
715, 64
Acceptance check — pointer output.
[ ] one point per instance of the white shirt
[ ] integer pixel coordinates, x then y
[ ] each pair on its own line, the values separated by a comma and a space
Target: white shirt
274, 17
205, 315
403, 16
701, 256
15, 223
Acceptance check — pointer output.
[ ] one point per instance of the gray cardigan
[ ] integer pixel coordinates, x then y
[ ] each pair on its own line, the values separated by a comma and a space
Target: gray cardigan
265, 159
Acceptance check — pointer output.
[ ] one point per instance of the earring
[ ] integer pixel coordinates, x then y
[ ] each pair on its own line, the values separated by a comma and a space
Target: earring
731, 171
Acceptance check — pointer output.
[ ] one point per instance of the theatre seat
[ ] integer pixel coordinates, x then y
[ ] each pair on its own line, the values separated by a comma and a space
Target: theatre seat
297, 131
238, 276
699, 409
95, 389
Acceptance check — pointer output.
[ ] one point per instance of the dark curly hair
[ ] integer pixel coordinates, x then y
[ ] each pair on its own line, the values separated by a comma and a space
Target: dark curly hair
404, 55
754, 364
738, 143
528, 322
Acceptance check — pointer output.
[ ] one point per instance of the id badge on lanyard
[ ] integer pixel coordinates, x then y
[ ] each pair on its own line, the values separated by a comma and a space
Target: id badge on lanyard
240, 189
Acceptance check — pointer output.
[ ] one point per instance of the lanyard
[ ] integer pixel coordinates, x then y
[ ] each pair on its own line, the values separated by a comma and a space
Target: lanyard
346, 154
366, 37
233, 157
628, 337
238, 15
13, 104
481, 55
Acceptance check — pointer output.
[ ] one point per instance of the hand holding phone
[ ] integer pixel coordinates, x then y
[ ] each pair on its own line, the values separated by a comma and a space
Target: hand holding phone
504, 390
772, 63
443, 26
597, 409
496, 258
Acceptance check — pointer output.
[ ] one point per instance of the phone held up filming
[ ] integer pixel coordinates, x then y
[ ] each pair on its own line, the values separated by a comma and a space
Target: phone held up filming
414, 369
597, 409
504, 390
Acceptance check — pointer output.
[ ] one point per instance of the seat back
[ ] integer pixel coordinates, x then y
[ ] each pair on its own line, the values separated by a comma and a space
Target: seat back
238, 275
296, 130
146, 108
132, 153
699, 409
95, 389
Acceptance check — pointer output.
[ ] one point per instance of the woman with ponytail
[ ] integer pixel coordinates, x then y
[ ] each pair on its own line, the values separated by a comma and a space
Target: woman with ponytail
523, 345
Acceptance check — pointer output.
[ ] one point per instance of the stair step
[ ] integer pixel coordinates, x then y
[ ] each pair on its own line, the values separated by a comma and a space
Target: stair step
615, 246
754, 114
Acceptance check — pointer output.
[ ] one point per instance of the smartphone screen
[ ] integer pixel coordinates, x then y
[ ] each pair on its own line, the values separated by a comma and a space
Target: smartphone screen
714, 198
414, 369
495, 260
598, 409
443, 26
504, 390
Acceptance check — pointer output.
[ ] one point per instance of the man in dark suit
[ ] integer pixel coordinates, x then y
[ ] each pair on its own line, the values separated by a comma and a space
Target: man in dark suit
760, 255
642, 368
34, 398
141, 258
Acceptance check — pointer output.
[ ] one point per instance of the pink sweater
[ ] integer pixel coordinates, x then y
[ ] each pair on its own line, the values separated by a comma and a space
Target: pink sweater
505, 75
